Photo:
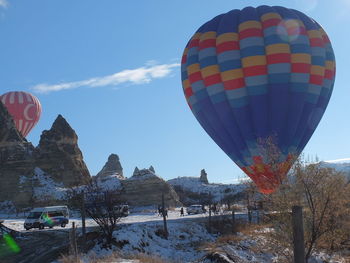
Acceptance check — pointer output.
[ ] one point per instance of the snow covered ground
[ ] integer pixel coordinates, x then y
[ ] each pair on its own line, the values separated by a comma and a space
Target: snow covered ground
138, 217
189, 241
181, 246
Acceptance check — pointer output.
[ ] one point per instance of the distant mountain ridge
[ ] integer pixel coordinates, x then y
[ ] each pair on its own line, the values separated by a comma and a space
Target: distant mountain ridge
340, 165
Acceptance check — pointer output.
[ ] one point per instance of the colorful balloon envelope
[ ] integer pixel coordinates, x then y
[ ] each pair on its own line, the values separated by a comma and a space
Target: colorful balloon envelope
258, 73
24, 108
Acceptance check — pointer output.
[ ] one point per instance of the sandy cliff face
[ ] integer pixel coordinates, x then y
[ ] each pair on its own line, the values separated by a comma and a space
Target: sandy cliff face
58, 154
16, 160
145, 188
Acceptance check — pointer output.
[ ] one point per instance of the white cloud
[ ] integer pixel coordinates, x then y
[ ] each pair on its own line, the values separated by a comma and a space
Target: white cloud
3, 3
134, 76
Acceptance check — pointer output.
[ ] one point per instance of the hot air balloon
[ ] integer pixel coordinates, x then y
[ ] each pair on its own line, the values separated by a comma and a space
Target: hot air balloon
24, 108
258, 73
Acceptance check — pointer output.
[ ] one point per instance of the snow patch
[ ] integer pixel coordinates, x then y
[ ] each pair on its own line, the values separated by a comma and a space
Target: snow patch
344, 160
110, 182
340, 165
45, 187
184, 238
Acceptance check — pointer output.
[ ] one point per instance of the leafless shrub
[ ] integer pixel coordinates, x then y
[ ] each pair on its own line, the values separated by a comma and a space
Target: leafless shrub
324, 195
114, 257
101, 206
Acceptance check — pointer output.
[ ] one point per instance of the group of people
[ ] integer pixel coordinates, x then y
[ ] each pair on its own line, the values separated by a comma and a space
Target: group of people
214, 208
160, 211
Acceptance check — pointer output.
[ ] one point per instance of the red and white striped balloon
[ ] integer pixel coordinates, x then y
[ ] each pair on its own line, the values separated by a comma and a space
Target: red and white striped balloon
24, 108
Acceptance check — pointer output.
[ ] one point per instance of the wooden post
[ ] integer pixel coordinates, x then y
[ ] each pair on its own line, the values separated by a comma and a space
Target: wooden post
73, 242
298, 234
210, 209
83, 217
233, 221
249, 215
164, 218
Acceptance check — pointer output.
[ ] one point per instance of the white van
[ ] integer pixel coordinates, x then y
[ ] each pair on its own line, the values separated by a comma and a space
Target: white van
49, 216
195, 209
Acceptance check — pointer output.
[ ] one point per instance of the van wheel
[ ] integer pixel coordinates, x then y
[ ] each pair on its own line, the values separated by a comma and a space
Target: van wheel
50, 226
27, 228
63, 225
41, 226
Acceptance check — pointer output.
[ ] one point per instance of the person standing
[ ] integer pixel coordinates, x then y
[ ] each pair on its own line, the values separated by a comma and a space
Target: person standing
182, 212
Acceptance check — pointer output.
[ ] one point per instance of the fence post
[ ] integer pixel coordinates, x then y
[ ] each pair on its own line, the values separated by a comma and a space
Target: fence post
73, 242
249, 215
83, 216
164, 218
298, 234
233, 221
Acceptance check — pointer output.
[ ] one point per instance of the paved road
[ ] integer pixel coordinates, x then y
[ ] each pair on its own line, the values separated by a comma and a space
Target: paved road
39, 247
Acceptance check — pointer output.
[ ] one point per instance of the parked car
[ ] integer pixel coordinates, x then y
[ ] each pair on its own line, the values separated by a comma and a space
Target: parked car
49, 216
195, 209
122, 210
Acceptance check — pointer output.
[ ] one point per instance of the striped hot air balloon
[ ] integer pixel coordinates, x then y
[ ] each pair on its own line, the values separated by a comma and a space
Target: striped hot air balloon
256, 73
24, 108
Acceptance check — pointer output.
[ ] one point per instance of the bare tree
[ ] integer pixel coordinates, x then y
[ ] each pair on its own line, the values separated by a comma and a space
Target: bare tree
324, 194
103, 208
273, 165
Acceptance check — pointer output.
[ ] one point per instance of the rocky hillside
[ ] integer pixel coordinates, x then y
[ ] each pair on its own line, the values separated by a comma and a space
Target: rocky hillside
197, 190
145, 188
340, 165
16, 160
57, 161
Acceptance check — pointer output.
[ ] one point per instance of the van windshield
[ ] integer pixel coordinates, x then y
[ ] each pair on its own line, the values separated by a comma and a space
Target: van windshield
34, 215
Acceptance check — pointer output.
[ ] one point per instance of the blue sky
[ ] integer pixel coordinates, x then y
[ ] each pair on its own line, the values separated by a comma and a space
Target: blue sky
111, 69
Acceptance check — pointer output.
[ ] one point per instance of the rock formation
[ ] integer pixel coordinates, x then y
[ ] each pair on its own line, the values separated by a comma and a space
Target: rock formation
203, 178
136, 171
145, 188
197, 190
16, 160
112, 167
58, 154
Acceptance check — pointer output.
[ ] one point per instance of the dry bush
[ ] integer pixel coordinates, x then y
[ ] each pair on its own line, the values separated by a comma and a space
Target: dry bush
324, 195
244, 230
115, 257
144, 258
70, 259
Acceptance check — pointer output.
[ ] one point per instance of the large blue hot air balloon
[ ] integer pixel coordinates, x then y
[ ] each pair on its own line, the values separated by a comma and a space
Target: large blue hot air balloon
258, 73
